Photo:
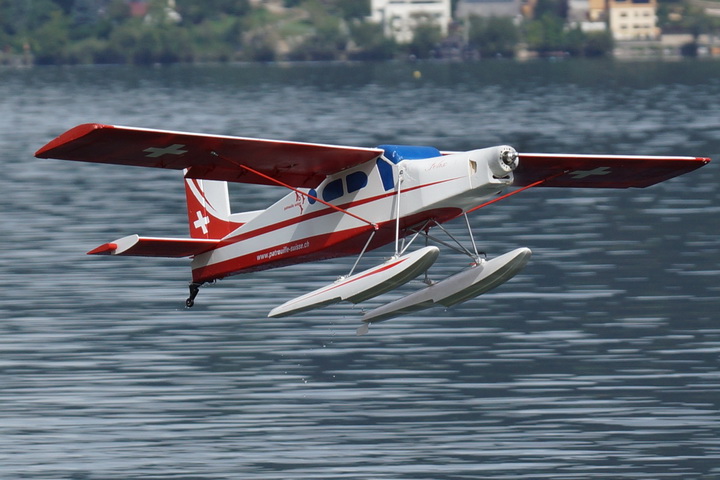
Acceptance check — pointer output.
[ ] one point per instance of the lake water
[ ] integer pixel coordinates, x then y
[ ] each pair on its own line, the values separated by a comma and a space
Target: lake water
601, 360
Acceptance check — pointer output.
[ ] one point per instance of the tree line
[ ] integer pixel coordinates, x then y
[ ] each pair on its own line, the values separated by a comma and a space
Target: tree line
167, 31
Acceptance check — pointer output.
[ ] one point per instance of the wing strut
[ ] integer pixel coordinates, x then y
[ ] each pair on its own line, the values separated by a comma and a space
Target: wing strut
515, 192
305, 194
397, 213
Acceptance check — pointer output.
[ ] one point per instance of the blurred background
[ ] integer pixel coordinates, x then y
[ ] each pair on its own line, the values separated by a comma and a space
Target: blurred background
185, 31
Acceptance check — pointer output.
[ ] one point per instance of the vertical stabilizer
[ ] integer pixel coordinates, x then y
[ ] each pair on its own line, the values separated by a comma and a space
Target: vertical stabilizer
208, 206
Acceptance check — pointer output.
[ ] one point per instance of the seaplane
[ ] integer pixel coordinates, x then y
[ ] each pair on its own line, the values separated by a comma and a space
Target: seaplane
344, 201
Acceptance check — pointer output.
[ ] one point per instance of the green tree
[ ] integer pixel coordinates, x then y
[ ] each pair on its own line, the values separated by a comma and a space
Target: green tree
22, 16
216, 40
573, 42
195, 12
261, 47
84, 12
139, 43
86, 20
598, 44
493, 36
370, 42
697, 22
328, 39
49, 40
558, 8
117, 11
354, 8
426, 38
545, 34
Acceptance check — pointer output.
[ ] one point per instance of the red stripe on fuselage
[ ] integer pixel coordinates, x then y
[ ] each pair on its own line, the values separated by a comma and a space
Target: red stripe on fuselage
320, 247
319, 213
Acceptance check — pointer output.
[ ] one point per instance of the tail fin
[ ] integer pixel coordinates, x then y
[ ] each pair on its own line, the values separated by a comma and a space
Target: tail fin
208, 206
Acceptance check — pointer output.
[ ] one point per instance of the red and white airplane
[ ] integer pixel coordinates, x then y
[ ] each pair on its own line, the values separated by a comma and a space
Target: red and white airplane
343, 201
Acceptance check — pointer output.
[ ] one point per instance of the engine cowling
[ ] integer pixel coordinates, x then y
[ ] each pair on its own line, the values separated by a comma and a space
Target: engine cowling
500, 161
508, 160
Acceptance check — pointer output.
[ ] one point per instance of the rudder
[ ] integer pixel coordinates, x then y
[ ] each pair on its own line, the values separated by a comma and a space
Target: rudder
208, 207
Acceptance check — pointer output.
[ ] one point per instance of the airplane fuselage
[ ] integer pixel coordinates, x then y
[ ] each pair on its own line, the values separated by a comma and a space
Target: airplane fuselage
369, 199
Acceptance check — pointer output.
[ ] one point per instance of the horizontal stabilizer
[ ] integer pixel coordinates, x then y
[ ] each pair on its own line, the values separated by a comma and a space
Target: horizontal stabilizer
137, 246
457, 288
363, 285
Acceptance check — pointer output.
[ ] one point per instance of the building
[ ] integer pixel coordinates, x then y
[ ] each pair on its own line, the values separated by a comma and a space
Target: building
633, 19
488, 8
399, 18
587, 15
597, 10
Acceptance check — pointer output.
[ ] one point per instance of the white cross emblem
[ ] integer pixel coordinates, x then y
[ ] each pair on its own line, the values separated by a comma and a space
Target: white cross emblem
580, 174
175, 149
201, 222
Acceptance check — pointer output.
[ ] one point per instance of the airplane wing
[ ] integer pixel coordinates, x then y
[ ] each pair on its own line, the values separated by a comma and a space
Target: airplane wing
212, 157
600, 171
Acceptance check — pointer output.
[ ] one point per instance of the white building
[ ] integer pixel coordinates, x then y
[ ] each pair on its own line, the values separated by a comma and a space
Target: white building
633, 19
399, 18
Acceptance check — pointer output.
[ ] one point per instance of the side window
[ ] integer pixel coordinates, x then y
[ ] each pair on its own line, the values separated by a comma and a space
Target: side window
333, 190
386, 174
355, 181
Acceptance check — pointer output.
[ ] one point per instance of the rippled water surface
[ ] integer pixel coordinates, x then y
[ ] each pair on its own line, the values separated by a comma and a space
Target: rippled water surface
599, 361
